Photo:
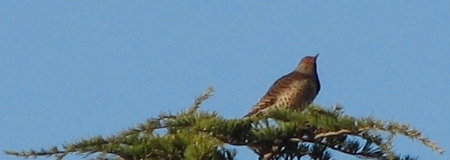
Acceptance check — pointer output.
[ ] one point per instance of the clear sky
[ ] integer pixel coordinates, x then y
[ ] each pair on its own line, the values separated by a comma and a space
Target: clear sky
74, 69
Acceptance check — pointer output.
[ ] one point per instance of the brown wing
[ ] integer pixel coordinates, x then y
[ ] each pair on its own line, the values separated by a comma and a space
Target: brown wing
271, 97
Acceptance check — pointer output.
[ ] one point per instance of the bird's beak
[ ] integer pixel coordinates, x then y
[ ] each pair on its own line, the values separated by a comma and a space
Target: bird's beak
315, 57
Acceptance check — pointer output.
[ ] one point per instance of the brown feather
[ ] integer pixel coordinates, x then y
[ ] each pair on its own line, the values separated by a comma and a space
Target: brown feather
293, 90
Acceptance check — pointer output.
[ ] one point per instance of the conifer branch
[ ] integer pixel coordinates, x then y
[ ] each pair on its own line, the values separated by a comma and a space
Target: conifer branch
280, 134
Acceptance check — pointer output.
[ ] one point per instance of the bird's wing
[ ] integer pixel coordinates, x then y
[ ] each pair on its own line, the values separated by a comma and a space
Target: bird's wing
271, 96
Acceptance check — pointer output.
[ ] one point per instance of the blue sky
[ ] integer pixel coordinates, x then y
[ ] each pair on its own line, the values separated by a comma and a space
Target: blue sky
74, 69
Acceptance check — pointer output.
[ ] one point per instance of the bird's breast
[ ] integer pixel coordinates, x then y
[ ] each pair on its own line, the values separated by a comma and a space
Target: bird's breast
297, 94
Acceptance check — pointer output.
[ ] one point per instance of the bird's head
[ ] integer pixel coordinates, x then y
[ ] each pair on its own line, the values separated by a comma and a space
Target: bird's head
307, 65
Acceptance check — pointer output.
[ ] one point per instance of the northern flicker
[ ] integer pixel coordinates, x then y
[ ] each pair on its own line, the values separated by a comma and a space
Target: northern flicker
294, 90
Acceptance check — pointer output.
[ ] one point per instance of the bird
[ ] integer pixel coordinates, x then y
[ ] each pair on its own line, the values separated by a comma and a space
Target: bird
294, 90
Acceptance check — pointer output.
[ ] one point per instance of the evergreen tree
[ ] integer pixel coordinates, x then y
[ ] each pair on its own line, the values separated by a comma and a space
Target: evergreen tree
281, 134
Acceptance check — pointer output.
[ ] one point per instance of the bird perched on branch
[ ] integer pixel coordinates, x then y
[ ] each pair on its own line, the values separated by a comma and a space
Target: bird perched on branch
294, 90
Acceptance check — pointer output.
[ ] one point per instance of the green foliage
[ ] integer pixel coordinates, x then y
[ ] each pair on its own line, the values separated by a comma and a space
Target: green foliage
280, 134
